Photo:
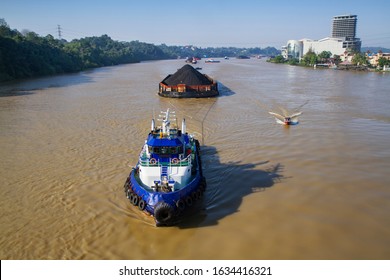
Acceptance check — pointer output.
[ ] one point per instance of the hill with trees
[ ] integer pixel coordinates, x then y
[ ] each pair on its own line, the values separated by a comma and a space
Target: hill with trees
375, 49
25, 55
29, 55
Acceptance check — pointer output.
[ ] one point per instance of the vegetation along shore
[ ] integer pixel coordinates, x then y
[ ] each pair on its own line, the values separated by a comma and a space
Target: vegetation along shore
358, 61
26, 54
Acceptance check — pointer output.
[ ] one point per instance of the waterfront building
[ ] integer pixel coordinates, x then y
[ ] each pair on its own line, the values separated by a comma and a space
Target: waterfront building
373, 58
293, 49
342, 40
333, 45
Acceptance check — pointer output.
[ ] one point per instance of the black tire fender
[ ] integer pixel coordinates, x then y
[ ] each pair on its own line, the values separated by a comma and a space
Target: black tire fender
180, 204
141, 204
189, 201
163, 214
134, 199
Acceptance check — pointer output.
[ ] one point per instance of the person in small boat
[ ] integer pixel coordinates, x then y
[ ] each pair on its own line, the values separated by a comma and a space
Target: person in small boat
286, 119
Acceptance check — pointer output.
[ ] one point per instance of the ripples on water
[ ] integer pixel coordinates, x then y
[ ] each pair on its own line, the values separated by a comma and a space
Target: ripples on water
318, 190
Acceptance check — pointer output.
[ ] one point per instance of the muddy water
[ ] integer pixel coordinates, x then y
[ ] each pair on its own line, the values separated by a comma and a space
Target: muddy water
317, 190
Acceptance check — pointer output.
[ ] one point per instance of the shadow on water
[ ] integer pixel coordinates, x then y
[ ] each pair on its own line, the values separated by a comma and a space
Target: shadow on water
31, 86
224, 90
14, 92
227, 185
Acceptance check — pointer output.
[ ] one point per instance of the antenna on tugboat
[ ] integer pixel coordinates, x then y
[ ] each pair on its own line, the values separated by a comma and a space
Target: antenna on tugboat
183, 126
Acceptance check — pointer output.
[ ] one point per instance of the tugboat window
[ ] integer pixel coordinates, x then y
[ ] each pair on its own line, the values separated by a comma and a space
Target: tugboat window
165, 150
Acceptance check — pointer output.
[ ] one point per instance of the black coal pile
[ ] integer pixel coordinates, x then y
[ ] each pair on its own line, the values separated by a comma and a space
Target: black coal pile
187, 75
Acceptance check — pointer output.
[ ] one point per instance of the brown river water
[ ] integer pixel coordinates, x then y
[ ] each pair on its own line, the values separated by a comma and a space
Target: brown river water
316, 190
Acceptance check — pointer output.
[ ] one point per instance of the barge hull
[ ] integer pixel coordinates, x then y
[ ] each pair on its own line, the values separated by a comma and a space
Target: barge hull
189, 94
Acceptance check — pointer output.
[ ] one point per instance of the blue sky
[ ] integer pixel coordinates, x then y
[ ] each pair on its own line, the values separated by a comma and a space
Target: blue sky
242, 23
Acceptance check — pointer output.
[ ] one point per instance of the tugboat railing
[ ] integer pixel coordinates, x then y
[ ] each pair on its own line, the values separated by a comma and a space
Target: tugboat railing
144, 161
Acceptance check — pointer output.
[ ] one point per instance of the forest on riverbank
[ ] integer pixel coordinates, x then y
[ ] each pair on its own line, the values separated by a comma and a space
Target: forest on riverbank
26, 54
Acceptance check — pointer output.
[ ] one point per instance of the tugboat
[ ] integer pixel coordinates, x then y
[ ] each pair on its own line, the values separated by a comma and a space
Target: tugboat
168, 178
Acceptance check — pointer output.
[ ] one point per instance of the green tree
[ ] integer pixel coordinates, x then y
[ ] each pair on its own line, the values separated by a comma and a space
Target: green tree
293, 61
324, 56
383, 61
337, 59
310, 58
278, 59
3, 23
359, 59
